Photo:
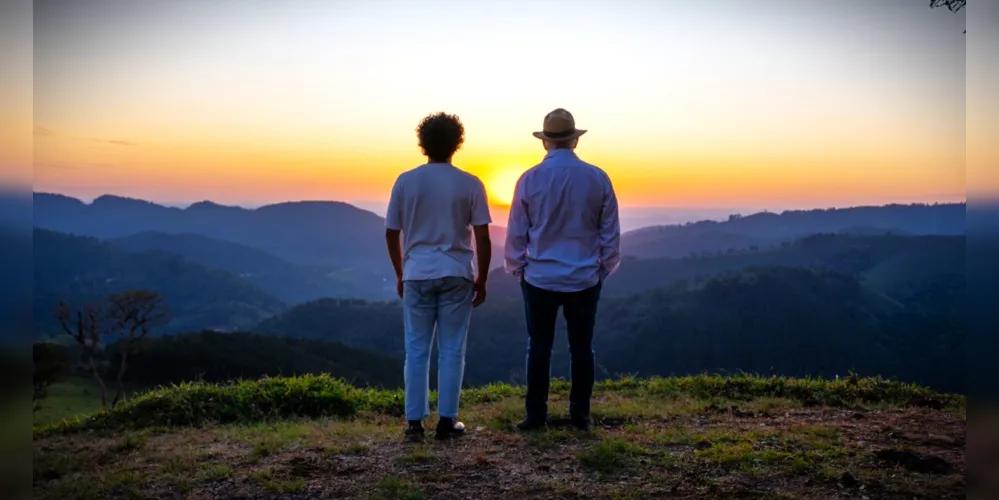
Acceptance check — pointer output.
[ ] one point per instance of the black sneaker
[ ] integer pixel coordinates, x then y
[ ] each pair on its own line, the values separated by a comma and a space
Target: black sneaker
448, 428
529, 424
415, 430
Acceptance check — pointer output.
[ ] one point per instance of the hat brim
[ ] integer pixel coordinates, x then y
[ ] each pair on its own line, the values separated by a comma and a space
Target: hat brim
575, 133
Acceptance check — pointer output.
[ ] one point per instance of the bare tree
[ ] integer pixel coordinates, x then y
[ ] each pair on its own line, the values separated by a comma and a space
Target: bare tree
133, 314
86, 326
129, 315
952, 5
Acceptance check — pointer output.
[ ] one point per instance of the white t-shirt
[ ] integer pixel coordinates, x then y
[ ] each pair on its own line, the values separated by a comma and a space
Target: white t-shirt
435, 205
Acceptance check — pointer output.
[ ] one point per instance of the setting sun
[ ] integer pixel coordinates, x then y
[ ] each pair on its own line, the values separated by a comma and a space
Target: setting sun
501, 184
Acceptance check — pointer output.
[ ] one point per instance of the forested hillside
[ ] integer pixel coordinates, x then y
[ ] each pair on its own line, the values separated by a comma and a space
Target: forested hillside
81, 269
898, 266
292, 283
785, 321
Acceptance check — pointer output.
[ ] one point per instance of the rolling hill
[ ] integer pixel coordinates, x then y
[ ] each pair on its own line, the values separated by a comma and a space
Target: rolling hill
309, 233
289, 282
783, 320
298, 251
893, 265
81, 269
769, 229
209, 252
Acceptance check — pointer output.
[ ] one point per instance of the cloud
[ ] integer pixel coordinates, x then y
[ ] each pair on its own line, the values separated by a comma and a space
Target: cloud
52, 166
46, 132
64, 167
114, 141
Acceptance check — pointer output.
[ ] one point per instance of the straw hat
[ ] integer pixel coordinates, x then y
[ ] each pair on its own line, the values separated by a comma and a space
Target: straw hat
559, 126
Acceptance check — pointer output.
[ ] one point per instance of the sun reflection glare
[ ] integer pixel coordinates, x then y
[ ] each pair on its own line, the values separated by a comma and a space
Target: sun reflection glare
501, 183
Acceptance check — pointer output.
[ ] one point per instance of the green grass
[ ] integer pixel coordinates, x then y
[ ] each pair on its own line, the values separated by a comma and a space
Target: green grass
131, 442
648, 435
799, 450
271, 481
72, 399
611, 455
321, 396
393, 488
214, 472
420, 453
67, 400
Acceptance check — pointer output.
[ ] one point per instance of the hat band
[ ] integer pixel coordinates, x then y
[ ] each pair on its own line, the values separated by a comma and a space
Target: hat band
559, 135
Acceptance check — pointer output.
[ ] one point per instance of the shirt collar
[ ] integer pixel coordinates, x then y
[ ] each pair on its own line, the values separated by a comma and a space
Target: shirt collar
561, 153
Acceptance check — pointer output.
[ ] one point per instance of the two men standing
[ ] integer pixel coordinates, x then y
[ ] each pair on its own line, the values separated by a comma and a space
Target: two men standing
563, 240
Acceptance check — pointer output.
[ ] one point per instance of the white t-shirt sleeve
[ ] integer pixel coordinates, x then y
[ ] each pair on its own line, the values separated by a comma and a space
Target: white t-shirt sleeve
393, 217
480, 205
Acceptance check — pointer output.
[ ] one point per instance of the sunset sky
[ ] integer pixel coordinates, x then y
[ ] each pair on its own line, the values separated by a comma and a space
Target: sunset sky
768, 103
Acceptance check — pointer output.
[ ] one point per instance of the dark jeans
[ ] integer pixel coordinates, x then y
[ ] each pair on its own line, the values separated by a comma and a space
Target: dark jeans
580, 311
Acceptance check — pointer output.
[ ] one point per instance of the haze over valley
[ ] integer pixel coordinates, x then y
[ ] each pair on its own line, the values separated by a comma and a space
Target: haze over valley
879, 280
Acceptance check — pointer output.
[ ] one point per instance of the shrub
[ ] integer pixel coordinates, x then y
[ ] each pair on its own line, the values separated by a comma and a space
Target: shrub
318, 396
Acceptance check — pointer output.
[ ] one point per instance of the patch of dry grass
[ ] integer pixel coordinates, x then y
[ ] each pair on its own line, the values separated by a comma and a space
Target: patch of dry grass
642, 446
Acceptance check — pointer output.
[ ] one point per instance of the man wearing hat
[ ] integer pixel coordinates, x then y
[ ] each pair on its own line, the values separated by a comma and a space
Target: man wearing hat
563, 241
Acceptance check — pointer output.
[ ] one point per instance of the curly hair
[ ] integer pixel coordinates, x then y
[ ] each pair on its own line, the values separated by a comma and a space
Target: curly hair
440, 136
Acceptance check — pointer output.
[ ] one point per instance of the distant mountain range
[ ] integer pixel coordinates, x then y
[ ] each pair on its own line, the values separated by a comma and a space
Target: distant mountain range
769, 229
228, 267
328, 234
342, 237
307, 233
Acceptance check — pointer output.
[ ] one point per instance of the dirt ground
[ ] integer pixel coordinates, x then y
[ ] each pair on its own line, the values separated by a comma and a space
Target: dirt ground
637, 449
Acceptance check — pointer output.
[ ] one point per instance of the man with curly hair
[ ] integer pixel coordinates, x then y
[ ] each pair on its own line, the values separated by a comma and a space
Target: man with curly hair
437, 207
563, 240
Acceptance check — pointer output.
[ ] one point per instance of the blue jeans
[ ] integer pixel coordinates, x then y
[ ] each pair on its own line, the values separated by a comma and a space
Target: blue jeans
444, 305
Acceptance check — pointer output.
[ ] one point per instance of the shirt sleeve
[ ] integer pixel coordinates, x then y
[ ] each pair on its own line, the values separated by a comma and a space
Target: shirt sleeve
480, 205
393, 216
610, 233
515, 254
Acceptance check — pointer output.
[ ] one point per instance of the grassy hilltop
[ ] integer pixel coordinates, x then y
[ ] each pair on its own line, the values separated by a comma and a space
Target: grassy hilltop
692, 437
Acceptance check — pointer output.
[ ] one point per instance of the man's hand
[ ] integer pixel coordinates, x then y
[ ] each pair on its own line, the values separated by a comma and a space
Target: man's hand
483, 253
392, 241
479, 292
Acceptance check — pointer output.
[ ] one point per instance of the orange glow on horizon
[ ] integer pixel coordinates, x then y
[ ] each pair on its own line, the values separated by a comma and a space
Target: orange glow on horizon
697, 175
501, 184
